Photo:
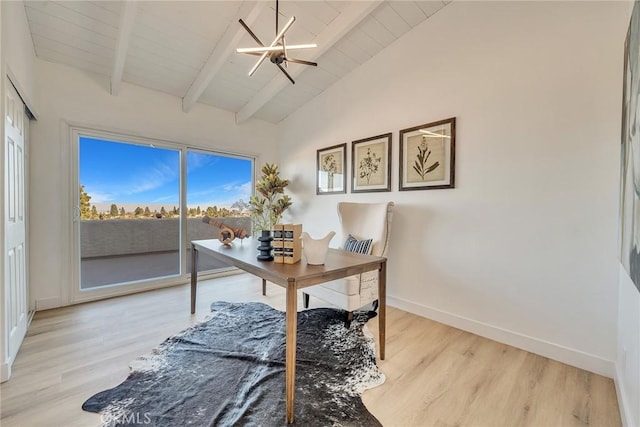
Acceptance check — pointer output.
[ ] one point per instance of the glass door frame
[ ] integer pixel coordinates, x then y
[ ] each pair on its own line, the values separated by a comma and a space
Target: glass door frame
78, 295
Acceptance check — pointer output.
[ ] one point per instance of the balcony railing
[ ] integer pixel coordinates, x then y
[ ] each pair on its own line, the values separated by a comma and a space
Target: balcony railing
125, 250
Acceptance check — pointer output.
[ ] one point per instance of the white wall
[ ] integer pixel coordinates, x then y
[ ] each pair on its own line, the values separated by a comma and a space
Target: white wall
18, 50
69, 95
628, 363
523, 250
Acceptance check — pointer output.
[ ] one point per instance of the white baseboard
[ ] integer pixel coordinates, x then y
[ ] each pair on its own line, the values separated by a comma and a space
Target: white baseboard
47, 303
5, 372
573, 357
623, 402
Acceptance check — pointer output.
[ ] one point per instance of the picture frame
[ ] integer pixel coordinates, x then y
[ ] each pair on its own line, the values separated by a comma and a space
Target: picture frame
331, 170
427, 156
371, 164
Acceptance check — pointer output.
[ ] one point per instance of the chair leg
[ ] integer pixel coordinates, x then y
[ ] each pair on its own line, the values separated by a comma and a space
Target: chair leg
347, 322
374, 305
264, 287
305, 300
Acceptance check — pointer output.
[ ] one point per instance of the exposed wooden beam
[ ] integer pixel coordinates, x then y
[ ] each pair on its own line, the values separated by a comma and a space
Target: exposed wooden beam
336, 29
127, 17
224, 48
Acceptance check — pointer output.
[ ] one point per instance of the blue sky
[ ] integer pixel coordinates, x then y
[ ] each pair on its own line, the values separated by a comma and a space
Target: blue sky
119, 173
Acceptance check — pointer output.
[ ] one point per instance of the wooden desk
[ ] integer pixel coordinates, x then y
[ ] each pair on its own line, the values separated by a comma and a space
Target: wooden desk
339, 264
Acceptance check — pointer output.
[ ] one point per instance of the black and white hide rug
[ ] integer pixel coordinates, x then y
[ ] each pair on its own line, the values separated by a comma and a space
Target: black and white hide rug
230, 371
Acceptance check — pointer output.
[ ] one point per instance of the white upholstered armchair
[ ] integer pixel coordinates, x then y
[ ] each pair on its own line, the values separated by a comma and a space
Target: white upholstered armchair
363, 221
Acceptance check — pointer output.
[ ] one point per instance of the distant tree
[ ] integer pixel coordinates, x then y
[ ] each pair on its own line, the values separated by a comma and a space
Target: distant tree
240, 206
139, 211
85, 209
114, 210
198, 211
147, 212
94, 212
191, 212
175, 211
163, 211
122, 212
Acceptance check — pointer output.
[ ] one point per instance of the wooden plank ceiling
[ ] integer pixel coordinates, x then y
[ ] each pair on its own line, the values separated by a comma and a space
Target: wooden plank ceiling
187, 49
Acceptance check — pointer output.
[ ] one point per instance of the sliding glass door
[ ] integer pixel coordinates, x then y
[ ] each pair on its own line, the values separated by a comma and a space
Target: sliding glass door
218, 191
129, 219
139, 204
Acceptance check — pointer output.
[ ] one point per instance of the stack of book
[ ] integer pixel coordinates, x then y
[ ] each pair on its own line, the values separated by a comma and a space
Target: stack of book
287, 246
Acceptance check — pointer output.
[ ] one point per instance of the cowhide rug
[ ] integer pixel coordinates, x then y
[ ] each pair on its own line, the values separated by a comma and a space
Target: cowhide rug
230, 370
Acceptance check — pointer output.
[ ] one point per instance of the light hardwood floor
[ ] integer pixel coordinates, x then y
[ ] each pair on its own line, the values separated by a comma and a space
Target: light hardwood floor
436, 375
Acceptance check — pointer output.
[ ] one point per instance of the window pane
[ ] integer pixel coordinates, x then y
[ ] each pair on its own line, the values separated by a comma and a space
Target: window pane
130, 224
218, 191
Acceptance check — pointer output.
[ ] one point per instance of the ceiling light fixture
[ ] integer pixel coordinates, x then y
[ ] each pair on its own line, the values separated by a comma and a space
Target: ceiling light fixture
277, 50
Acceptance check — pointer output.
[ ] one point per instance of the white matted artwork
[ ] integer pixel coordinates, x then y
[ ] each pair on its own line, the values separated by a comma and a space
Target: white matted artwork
630, 159
331, 170
371, 165
427, 156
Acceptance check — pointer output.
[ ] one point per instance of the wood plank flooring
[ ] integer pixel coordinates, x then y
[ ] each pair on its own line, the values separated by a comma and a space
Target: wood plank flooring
436, 375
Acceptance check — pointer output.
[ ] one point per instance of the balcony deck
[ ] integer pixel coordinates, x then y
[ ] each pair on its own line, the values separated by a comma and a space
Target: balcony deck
101, 271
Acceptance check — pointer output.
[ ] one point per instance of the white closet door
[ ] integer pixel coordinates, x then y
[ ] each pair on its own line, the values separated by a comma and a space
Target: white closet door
15, 291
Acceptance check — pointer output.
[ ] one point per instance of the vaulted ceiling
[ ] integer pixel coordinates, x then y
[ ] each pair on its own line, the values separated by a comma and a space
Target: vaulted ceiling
187, 49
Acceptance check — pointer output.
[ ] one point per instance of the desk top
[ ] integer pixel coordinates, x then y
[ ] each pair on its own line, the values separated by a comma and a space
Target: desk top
339, 263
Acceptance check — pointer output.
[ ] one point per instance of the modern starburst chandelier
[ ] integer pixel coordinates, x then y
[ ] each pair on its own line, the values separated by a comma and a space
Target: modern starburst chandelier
277, 51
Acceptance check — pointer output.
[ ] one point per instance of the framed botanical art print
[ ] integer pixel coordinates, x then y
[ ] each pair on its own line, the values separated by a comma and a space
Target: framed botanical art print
427, 156
331, 170
371, 164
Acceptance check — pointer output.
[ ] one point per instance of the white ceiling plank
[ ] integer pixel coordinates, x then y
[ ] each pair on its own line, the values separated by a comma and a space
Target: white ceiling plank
127, 19
184, 56
70, 51
337, 62
73, 61
224, 48
391, 20
319, 78
311, 23
409, 11
57, 12
374, 29
72, 35
352, 50
322, 10
430, 7
37, 18
152, 82
364, 42
94, 11
337, 29
109, 5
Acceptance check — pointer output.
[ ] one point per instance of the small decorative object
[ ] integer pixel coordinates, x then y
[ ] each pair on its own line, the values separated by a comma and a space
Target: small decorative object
227, 233
265, 247
226, 236
370, 164
427, 156
315, 250
287, 244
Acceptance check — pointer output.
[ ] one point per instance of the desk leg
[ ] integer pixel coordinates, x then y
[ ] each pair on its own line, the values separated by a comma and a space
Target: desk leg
290, 362
382, 299
194, 277
264, 287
